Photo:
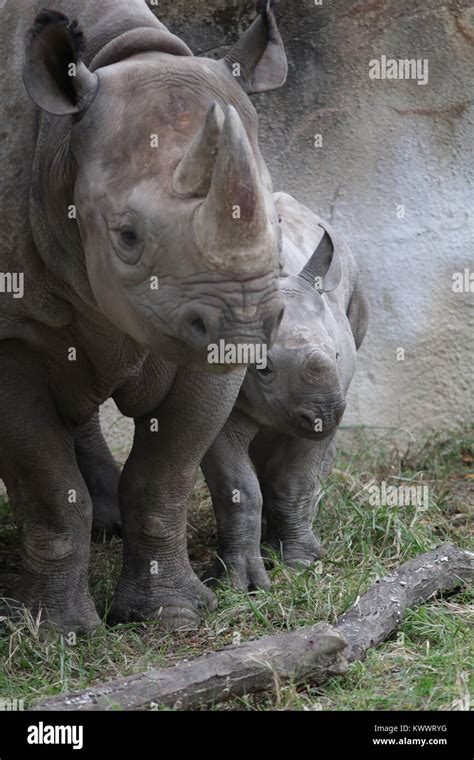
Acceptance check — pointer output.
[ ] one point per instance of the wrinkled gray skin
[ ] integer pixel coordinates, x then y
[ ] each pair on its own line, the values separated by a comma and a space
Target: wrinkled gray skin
141, 212
274, 424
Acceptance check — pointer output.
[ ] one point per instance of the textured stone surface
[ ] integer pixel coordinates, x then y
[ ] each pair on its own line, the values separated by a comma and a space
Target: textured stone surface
118, 430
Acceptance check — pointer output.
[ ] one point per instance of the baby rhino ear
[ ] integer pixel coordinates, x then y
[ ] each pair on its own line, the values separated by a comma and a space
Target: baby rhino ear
54, 75
323, 270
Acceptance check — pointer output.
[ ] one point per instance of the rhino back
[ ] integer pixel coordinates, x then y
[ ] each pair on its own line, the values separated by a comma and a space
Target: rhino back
301, 236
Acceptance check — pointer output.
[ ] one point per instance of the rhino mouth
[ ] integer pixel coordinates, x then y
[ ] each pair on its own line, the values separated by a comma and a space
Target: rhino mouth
314, 436
222, 356
312, 424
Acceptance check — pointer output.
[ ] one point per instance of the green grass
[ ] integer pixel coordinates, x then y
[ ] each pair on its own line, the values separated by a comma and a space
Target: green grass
425, 665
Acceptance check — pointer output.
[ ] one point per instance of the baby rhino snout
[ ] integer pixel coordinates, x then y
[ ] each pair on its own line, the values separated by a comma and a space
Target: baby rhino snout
321, 415
321, 420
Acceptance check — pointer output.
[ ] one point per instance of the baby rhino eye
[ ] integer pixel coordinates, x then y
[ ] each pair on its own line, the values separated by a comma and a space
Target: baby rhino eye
264, 371
128, 237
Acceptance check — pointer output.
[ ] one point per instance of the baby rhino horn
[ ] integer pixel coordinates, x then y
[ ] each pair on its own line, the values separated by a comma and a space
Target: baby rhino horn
233, 227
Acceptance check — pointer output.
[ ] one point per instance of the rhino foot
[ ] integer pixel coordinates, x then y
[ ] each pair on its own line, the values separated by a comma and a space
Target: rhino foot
172, 607
295, 553
241, 572
74, 614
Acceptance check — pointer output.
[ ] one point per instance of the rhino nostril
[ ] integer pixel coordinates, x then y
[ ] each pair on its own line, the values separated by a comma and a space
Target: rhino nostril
306, 420
195, 329
198, 327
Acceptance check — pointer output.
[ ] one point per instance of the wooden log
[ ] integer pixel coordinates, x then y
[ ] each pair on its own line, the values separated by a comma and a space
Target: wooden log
310, 654
379, 612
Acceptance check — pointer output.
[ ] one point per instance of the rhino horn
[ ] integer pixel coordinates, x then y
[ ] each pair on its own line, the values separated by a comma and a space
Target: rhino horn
192, 176
323, 269
233, 225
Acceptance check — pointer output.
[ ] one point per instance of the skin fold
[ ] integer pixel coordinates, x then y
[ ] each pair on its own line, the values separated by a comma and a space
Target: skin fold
118, 173
277, 447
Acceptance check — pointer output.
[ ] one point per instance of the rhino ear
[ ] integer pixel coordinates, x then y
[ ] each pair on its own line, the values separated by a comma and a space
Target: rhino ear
54, 76
258, 60
323, 270
358, 313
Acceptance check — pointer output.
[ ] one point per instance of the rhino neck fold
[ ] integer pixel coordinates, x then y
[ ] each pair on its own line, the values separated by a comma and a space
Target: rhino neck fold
109, 26
55, 233
135, 41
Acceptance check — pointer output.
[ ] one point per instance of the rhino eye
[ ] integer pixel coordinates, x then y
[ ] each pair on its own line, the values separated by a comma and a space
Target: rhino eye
129, 243
128, 237
265, 374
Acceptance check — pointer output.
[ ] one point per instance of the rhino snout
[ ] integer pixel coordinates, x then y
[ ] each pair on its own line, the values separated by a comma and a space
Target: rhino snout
320, 421
200, 327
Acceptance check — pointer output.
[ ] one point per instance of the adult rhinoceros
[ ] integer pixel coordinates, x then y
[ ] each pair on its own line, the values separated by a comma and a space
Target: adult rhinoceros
138, 223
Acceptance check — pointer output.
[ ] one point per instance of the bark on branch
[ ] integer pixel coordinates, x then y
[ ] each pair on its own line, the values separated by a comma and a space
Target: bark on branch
379, 612
309, 654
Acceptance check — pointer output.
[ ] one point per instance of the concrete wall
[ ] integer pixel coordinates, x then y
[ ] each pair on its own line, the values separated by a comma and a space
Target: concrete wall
386, 144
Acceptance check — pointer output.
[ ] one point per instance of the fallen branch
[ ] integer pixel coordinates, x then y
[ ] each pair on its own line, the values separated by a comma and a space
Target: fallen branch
314, 651
310, 654
379, 612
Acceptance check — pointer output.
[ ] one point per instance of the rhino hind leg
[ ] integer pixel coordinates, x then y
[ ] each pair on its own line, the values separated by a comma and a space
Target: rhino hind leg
50, 502
101, 474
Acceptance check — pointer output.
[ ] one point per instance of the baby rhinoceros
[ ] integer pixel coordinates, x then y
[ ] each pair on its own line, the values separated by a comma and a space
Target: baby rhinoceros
285, 419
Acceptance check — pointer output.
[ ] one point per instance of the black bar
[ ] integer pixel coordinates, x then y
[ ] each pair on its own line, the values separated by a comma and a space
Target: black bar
159, 733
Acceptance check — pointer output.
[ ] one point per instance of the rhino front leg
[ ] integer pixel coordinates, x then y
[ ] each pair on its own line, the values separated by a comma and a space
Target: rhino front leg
291, 471
157, 581
237, 503
102, 476
50, 501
